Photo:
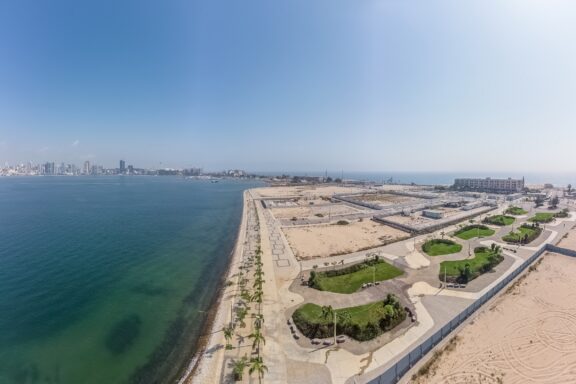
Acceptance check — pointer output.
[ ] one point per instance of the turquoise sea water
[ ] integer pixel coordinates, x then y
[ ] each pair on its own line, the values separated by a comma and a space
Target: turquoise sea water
107, 279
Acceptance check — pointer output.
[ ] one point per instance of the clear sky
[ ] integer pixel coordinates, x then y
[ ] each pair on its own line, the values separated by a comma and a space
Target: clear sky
290, 85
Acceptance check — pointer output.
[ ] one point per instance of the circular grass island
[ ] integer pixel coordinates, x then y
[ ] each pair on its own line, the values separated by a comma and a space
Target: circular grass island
525, 234
474, 230
351, 278
439, 247
500, 220
516, 211
462, 271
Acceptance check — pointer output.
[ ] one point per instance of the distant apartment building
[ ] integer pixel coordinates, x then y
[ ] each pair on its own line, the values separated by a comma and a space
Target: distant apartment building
87, 168
49, 169
488, 184
122, 167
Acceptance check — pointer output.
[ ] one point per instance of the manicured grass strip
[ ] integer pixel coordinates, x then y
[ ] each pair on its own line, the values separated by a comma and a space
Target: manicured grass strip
438, 247
484, 260
517, 211
501, 220
543, 217
476, 230
351, 282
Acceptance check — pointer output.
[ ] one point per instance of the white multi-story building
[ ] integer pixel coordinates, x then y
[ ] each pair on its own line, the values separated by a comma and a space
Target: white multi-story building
508, 185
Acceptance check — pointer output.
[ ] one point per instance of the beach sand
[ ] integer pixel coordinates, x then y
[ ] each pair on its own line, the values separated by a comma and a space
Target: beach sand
206, 367
528, 335
332, 239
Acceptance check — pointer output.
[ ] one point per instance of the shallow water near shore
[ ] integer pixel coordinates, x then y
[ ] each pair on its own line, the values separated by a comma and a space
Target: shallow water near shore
108, 279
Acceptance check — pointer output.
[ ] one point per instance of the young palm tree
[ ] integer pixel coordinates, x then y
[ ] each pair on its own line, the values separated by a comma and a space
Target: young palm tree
258, 320
258, 282
238, 368
258, 366
329, 312
228, 332
257, 296
257, 338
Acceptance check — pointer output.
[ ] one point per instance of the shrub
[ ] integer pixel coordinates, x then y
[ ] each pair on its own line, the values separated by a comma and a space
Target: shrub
342, 222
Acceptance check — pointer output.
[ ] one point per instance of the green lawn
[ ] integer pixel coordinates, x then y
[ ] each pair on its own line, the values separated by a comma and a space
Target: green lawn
351, 282
518, 235
516, 211
360, 315
501, 220
543, 217
362, 323
471, 231
478, 265
438, 247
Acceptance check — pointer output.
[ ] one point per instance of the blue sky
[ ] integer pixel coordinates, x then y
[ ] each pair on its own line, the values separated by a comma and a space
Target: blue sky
291, 85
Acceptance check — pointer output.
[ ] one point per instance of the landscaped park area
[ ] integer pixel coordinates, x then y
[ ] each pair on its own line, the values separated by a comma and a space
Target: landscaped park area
361, 323
501, 220
547, 217
350, 279
438, 247
525, 234
516, 211
475, 230
462, 271
542, 217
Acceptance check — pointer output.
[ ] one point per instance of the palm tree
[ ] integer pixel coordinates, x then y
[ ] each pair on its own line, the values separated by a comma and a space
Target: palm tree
258, 338
238, 368
228, 332
258, 320
257, 296
258, 366
258, 282
442, 234
329, 312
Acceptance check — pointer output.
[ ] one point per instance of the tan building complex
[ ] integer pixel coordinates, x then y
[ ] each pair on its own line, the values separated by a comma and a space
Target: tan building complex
508, 185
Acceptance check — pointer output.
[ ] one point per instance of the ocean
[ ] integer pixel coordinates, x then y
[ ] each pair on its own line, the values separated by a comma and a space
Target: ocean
109, 279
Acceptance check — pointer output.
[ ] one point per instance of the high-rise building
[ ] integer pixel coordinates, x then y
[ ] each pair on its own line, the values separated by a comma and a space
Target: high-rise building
49, 168
86, 167
122, 167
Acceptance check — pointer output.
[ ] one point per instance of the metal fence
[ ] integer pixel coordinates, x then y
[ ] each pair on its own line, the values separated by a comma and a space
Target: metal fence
395, 373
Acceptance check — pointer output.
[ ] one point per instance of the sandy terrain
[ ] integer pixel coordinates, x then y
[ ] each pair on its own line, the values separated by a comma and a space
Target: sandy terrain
386, 199
569, 241
310, 192
311, 210
527, 336
326, 240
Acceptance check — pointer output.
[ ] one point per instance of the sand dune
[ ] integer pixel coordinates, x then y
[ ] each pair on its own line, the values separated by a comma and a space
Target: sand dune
527, 336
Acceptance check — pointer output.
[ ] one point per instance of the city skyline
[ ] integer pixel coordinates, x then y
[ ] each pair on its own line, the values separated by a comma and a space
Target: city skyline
423, 86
